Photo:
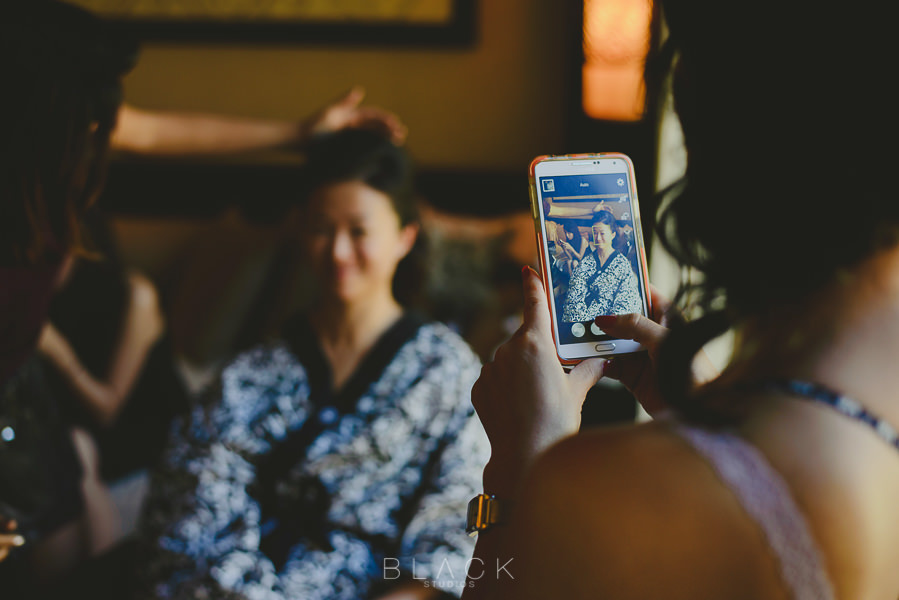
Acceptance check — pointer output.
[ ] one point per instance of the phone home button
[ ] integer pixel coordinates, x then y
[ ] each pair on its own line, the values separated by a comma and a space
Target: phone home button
604, 347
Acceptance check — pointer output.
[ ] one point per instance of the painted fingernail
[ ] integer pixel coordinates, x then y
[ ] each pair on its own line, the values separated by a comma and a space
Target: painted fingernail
610, 368
603, 320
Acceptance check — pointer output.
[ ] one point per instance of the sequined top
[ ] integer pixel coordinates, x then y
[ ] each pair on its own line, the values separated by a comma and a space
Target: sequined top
280, 487
767, 500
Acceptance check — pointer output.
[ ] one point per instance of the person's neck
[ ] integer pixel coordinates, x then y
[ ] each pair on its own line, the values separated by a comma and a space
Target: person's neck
347, 330
603, 254
845, 336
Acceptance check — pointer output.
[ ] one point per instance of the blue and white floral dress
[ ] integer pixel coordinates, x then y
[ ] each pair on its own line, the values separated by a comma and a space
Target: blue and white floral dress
610, 289
280, 487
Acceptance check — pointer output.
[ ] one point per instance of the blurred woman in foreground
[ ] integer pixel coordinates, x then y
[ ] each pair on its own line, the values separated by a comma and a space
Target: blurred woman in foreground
62, 72
779, 478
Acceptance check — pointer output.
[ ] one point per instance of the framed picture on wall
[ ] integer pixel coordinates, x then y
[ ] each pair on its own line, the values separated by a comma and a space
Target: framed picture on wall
344, 22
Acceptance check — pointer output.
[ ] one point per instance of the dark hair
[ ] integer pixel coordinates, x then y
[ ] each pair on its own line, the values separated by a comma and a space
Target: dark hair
369, 157
61, 72
365, 156
780, 124
604, 216
571, 227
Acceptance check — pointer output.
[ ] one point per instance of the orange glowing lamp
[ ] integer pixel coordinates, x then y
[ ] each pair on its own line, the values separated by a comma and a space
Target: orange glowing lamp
616, 41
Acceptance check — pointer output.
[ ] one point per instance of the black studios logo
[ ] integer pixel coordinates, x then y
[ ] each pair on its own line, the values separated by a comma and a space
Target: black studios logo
442, 575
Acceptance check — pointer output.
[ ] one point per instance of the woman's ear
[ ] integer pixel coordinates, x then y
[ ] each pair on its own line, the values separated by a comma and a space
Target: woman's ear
408, 235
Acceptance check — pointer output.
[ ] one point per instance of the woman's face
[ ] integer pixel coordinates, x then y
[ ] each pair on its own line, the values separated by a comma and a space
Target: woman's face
355, 240
603, 236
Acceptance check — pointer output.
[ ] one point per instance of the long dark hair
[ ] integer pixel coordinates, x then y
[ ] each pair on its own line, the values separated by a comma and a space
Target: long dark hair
781, 123
61, 72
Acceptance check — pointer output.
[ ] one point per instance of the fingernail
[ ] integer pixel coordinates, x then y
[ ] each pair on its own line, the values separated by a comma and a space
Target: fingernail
609, 368
18, 541
603, 320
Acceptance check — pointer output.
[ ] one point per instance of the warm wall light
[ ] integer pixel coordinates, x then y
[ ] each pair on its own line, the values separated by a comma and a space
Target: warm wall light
616, 40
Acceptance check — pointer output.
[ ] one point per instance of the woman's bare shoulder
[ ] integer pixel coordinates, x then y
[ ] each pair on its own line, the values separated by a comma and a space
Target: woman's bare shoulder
634, 512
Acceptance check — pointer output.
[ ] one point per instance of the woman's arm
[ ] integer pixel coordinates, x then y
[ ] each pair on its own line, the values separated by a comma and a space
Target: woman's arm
526, 403
178, 133
627, 295
578, 254
142, 326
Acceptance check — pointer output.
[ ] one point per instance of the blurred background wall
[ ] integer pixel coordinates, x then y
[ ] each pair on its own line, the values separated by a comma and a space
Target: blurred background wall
477, 114
493, 105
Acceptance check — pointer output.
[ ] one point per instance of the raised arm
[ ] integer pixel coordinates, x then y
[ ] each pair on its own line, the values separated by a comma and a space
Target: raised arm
172, 133
526, 403
104, 397
578, 248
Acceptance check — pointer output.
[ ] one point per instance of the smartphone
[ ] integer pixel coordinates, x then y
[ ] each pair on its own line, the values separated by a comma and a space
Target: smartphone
592, 256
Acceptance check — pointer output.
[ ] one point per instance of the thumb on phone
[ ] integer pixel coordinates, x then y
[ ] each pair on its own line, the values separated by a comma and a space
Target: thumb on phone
585, 375
635, 327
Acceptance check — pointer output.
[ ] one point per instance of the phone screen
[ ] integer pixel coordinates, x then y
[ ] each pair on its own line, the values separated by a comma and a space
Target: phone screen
593, 249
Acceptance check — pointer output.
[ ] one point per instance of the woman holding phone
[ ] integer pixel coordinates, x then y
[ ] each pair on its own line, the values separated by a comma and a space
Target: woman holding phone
777, 478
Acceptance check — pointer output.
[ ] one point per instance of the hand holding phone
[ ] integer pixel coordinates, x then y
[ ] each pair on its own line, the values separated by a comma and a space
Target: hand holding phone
589, 201
524, 398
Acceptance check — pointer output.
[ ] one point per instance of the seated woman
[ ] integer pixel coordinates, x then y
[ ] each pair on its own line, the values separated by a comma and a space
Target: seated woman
604, 283
339, 455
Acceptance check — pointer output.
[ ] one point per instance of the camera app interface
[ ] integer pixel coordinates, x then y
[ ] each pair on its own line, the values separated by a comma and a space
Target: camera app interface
593, 257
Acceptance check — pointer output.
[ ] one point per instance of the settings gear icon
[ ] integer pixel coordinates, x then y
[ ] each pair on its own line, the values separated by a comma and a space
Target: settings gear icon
620, 182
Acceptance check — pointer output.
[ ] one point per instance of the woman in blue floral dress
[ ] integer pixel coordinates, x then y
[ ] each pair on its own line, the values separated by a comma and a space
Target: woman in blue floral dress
604, 283
338, 461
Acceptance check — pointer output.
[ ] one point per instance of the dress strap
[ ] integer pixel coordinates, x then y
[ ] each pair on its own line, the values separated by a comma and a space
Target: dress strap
767, 500
842, 404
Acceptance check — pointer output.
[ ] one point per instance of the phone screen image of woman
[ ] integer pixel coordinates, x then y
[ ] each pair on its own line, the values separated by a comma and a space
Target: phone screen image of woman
593, 254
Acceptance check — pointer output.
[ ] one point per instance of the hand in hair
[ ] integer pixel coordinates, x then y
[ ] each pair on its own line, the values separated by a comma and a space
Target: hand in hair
346, 113
638, 371
524, 398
